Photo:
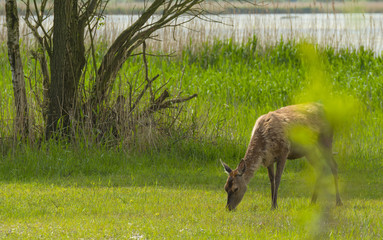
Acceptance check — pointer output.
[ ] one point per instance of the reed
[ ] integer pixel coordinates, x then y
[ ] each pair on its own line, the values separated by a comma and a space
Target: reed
338, 31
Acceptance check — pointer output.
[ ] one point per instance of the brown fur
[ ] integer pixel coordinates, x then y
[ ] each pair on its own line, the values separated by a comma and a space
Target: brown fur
272, 144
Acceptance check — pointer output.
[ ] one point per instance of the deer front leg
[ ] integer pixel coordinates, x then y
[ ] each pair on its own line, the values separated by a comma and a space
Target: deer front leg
270, 170
278, 176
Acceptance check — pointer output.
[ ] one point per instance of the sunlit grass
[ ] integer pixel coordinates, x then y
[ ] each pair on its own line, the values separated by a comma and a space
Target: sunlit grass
98, 209
177, 193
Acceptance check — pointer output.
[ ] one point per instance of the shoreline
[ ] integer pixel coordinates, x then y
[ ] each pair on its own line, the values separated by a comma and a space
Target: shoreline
249, 8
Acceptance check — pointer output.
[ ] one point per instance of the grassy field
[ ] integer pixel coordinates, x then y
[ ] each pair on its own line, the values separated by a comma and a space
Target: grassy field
172, 187
114, 195
44, 211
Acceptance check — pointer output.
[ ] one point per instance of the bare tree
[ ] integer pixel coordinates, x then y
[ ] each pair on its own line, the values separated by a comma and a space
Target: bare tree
64, 45
20, 98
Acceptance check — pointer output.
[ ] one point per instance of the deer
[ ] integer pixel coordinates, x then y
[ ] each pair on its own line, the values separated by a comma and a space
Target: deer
273, 141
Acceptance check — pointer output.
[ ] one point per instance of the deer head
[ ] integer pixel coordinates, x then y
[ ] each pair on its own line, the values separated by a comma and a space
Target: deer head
235, 185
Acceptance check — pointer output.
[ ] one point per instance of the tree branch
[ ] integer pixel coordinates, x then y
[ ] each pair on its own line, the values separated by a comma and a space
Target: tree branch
133, 37
147, 72
38, 18
160, 103
90, 8
142, 93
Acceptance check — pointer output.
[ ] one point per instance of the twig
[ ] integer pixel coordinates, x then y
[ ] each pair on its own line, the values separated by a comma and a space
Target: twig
147, 72
176, 117
142, 93
162, 86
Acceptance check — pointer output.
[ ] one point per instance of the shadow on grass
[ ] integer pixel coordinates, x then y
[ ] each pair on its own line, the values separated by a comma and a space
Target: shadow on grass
196, 170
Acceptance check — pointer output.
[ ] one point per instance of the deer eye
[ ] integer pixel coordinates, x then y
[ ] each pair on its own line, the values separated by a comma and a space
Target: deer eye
235, 189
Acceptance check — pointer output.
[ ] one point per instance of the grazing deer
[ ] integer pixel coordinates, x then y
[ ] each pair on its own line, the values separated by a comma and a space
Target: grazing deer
276, 137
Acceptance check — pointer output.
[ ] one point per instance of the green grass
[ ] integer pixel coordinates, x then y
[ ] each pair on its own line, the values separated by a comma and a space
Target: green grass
59, 192
173, 188
151, 197
157, 212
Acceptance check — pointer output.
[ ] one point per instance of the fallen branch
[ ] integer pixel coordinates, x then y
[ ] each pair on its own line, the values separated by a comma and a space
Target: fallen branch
160, 103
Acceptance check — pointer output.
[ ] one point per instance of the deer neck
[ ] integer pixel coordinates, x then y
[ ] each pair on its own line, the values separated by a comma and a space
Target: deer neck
253, 159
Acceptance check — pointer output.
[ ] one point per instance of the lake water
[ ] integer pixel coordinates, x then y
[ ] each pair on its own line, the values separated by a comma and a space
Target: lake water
336, 30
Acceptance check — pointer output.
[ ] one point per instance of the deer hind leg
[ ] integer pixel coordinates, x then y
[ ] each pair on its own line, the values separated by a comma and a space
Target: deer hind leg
334, 169
317, 184
317, 161
314, 159
326, 149
270, 170
278, 175
327, 154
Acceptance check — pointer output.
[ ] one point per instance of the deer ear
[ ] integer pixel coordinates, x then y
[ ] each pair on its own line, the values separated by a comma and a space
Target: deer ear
227, 168
241, 167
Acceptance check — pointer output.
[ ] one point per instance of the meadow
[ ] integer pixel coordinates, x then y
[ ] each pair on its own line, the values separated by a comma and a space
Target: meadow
171, 186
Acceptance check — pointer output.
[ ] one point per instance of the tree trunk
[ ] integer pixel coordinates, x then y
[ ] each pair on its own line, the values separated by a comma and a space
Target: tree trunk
21, 119
67, 62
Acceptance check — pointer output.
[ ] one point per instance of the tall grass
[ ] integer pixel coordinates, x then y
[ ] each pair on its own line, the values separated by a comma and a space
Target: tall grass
238, 82
241, 69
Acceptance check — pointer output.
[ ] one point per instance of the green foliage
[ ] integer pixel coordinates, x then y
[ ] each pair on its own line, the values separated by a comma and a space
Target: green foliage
174, 188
